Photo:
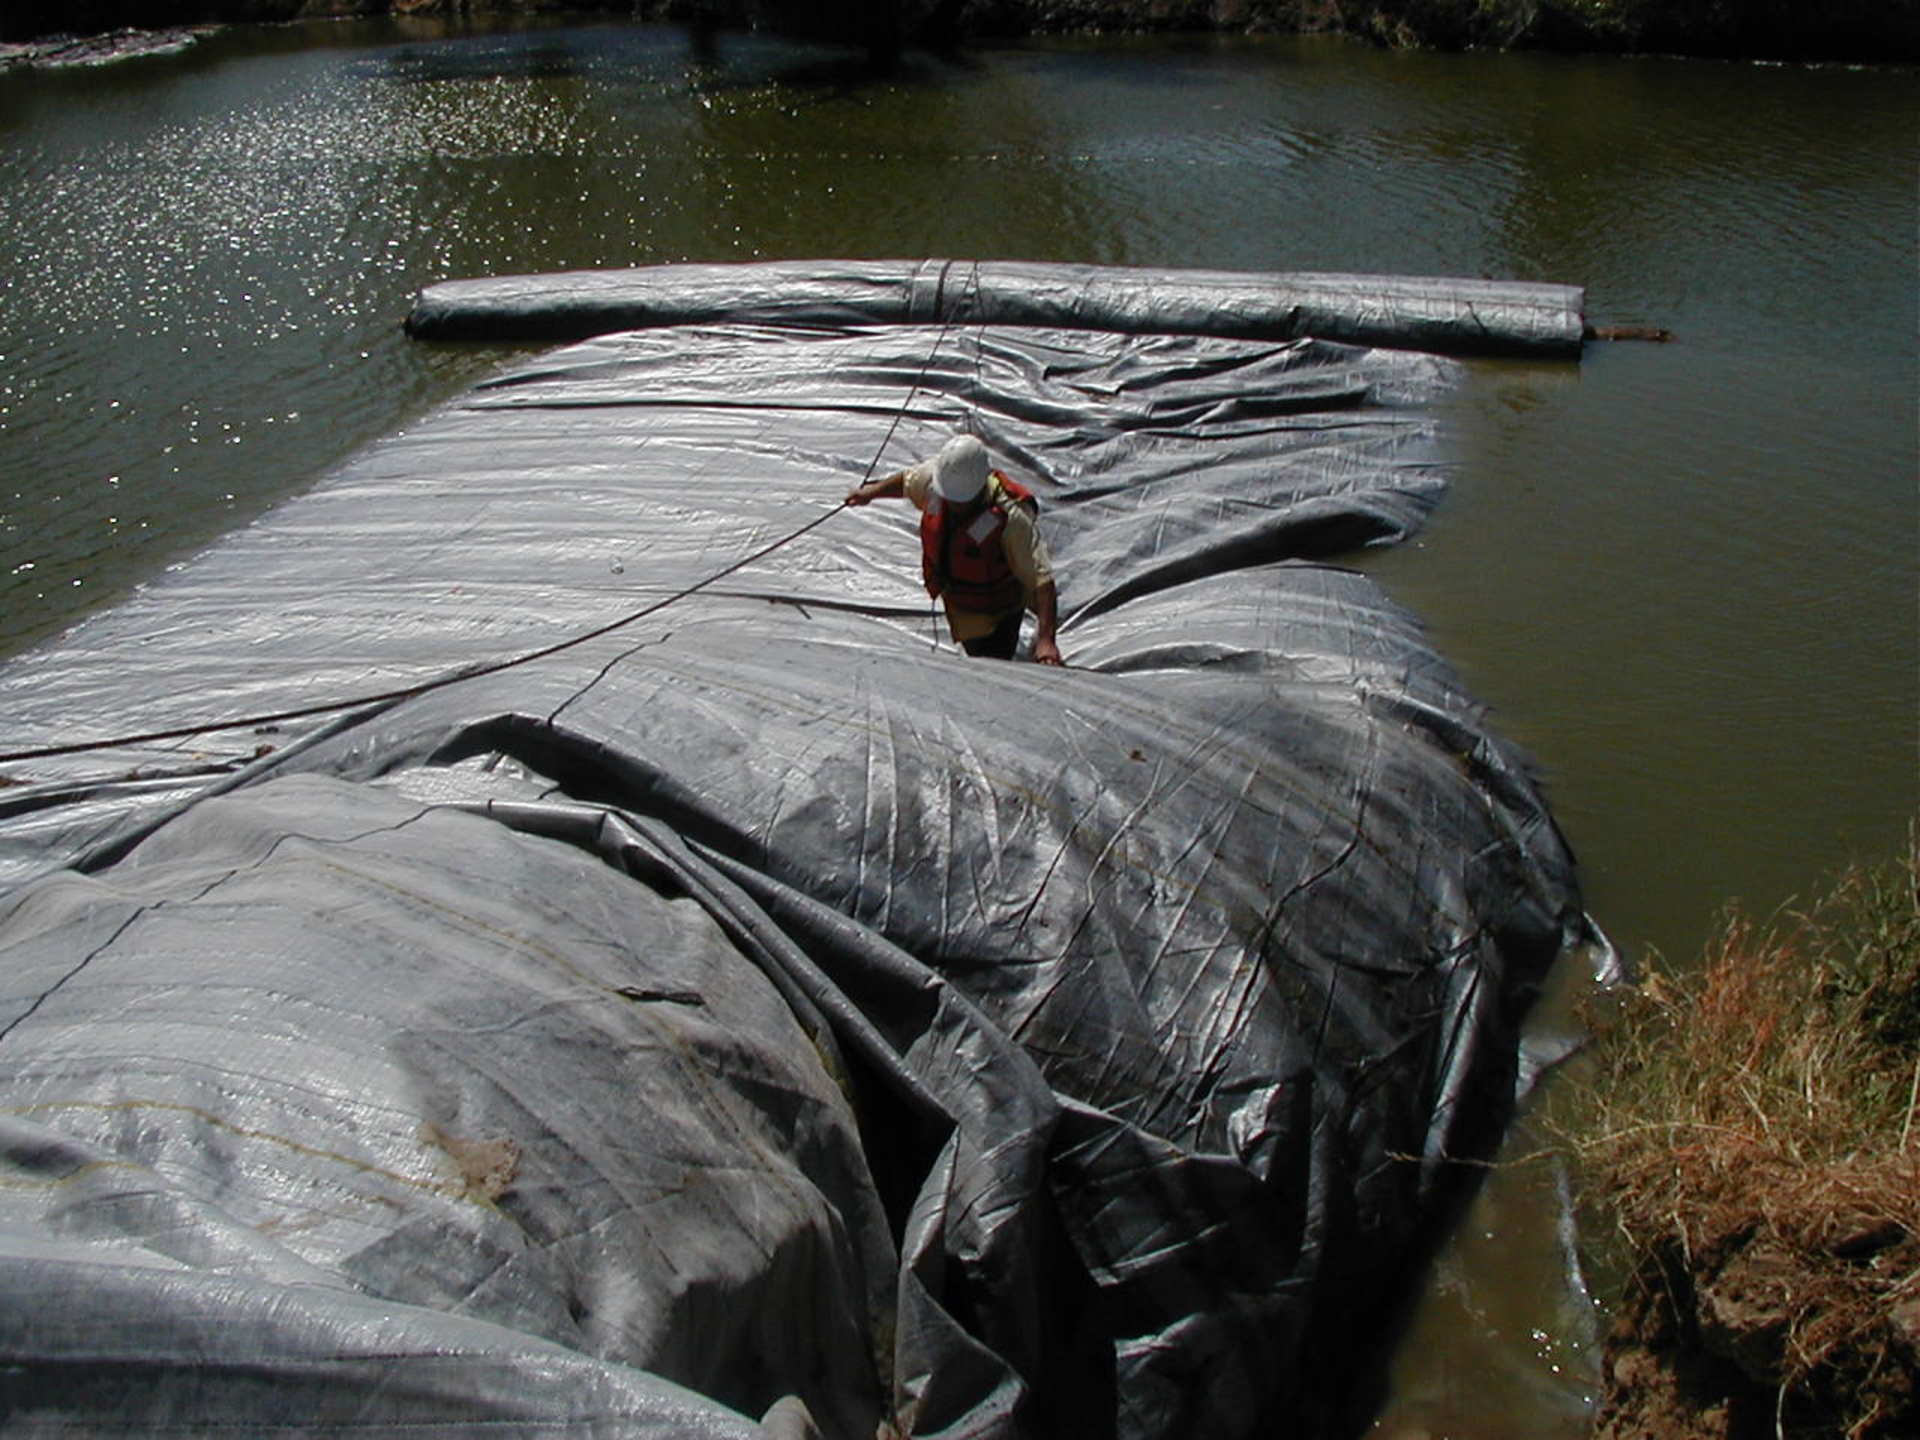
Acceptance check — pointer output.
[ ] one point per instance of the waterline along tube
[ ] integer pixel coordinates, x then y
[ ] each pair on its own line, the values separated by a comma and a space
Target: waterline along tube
1442, 316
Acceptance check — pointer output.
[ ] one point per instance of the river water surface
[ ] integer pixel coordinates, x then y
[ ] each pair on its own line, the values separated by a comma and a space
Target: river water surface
1685, 575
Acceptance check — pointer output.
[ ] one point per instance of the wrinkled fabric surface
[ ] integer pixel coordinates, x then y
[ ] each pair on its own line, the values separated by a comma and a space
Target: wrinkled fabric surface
1413, 312
760, 1004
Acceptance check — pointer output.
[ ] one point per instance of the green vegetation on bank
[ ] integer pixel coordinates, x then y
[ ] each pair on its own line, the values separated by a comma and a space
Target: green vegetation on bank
1750, 1129
1874, 31
1856, 30
1881, 31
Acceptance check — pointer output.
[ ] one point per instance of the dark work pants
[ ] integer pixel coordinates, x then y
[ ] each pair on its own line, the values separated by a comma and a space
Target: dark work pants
1001, 643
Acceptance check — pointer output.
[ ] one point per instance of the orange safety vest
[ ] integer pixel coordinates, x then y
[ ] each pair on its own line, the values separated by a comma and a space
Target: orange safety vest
969, 565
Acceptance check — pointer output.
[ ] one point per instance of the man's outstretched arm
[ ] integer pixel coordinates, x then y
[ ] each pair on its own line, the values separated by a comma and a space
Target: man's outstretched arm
888, 487
1046, 650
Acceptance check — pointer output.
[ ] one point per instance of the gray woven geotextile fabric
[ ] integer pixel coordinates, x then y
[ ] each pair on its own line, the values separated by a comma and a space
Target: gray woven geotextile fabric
760, 1004
1438, 314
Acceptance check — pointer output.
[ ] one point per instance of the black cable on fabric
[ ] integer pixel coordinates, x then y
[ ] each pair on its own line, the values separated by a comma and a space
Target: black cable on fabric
898, 415
408, 692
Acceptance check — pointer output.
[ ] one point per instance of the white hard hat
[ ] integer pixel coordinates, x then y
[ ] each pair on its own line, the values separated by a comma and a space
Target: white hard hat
960, 470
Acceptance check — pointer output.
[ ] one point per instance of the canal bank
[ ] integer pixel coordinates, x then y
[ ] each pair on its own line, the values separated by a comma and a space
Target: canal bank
1851, 31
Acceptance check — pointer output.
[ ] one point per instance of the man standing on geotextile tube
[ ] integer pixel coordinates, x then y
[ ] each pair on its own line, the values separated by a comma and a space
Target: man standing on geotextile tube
980, 550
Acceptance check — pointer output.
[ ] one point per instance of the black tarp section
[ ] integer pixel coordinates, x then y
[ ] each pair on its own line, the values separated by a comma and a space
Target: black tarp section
761, 998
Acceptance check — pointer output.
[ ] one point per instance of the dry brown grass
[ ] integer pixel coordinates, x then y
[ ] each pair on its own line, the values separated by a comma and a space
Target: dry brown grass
1750, 1128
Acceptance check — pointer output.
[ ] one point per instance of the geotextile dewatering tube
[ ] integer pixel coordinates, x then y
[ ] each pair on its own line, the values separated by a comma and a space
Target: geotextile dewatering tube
1442, 316
760, 1010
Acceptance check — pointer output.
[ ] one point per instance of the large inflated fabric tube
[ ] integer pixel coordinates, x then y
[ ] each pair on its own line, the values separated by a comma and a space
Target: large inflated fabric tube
1444, 316
647, 1019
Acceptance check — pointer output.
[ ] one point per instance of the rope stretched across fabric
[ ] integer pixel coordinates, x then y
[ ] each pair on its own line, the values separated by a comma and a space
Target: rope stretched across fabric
408, 692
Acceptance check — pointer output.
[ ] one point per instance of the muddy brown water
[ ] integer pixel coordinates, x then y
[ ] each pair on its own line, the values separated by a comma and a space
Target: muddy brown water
1685, 575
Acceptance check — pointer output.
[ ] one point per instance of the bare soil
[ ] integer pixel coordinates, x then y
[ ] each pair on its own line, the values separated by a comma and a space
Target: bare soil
1704, 1347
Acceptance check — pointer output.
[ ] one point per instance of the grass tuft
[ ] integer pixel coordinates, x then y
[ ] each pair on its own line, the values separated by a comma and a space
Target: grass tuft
1750, 1128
